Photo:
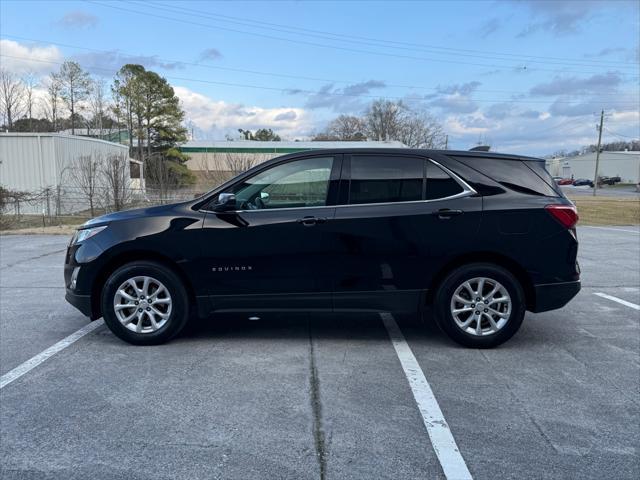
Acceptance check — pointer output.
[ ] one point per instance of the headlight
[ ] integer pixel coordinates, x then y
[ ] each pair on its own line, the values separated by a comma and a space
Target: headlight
86, 233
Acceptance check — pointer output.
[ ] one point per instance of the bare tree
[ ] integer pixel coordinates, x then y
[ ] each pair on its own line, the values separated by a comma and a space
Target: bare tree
74, 87
159, 174
30, 83
348, 128
115, 171
420, 130
11, 97
52, 103
84, 174
98, 104
387, 120
383, 119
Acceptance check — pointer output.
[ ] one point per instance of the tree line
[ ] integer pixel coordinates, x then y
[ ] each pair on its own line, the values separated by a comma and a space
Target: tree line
387, 120
139, 108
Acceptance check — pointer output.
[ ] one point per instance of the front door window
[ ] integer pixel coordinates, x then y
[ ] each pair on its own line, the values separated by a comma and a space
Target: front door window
297, 184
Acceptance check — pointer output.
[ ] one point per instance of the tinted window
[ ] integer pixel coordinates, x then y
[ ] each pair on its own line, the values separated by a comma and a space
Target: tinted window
513, 174
440, 184
301, 183
540, 169
383, 179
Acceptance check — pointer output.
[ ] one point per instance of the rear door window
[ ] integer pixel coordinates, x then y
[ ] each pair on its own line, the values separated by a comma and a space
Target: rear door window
440, 184
386, 179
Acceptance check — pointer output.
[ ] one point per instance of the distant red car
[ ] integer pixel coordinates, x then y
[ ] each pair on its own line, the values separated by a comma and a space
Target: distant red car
565, 181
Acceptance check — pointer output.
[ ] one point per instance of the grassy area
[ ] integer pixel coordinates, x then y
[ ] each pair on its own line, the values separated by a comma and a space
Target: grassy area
33, 224
607, 210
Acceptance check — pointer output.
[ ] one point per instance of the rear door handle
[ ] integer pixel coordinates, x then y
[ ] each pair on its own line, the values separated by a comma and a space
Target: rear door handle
310, 221
447, 213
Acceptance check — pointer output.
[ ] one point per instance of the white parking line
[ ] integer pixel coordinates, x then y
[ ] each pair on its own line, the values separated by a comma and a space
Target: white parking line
43, 356
619, 300
442, 440
612, 229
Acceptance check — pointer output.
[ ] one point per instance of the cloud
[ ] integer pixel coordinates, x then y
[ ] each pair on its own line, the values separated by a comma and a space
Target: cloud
109, 62
78, 19
530, 114
216, 118
567, 109
22, 59
210, 54
454, 98
605, 52
607, 82
341, 100
290, 115
490, 26
560, 17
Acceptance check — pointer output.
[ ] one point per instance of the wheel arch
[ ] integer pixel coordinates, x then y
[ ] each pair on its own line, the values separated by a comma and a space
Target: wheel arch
123, 258
484, 257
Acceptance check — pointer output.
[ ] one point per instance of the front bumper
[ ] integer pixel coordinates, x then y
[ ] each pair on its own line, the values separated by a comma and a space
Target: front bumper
551, 296
81, 302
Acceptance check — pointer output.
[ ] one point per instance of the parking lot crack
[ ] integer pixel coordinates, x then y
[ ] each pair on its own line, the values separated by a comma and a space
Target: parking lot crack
319, 436
9, 265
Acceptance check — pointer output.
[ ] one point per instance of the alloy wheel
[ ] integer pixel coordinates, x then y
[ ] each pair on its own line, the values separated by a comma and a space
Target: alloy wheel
142, 304
481, 306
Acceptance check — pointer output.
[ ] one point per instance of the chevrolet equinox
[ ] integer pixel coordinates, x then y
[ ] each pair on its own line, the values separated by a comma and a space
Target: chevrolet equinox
474, 238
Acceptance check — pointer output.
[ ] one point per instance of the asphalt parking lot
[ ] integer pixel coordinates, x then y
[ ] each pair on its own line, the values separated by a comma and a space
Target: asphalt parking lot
308, 396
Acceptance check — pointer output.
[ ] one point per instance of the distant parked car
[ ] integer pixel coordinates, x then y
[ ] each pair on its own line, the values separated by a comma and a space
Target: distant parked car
609, 180
565, 181
579, 182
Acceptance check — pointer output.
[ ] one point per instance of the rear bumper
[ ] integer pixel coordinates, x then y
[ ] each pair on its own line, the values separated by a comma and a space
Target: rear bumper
81, 302
551, 296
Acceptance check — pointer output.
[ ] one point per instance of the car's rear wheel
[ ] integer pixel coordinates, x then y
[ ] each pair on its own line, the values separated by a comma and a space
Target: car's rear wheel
145, 303
480, 305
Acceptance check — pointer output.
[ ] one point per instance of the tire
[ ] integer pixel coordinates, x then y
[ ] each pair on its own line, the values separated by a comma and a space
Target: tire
495, 328
131, 320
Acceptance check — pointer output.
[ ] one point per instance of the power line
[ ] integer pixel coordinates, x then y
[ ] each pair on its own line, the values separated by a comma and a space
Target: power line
385, 42
620, 134
281, 75
296, 91
335, 47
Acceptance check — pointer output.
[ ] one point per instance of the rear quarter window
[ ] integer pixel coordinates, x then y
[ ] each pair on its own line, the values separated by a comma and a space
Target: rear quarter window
513, 174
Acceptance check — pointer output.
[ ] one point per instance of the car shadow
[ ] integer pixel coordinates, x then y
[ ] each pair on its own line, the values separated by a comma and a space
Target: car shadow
320, 326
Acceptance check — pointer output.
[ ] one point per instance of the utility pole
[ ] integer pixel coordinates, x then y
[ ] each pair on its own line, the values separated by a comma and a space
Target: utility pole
595, 175
446, 142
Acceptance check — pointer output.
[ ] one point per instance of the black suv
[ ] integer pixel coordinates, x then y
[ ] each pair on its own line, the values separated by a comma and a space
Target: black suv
475, 238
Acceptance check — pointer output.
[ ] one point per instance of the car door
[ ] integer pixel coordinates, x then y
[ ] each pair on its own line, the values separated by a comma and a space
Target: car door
272, 251
400, 218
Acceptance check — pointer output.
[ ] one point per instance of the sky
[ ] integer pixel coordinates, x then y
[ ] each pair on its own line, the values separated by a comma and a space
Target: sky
526, 76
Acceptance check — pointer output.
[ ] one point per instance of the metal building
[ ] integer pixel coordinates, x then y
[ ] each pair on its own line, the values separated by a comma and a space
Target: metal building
42, 162
625, 165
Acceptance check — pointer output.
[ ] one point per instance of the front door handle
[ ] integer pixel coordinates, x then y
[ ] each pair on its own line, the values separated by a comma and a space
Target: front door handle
310, 221
446, 213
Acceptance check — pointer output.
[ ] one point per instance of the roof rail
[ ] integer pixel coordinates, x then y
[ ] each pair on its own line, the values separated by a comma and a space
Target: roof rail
480, 148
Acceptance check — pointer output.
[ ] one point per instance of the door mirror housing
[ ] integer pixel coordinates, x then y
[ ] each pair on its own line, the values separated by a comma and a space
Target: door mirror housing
226, 202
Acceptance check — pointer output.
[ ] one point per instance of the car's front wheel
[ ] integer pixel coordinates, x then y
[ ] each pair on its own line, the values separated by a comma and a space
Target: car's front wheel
480, 305
144, 303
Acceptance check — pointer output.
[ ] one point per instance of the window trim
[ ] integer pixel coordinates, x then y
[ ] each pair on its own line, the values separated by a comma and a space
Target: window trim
340, 162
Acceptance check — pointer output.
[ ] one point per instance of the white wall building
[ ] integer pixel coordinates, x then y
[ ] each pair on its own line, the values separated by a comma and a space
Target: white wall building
625, 165
41, 162
225, 156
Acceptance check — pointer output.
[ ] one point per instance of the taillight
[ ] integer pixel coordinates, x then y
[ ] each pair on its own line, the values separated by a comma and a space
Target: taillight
567, 215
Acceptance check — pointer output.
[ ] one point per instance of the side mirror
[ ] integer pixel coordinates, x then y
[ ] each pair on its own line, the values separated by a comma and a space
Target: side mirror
225, 203
264, 196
